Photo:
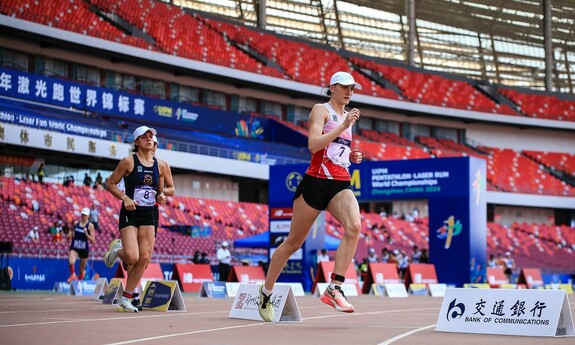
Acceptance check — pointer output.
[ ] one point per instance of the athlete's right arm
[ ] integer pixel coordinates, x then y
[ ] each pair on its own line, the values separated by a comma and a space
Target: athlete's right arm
316, 139
123, 169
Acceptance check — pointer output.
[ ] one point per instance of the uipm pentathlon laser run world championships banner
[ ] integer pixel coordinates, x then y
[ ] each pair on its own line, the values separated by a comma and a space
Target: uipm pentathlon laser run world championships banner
454, 187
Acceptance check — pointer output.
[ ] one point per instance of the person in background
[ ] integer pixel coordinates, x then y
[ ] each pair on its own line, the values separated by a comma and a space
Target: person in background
325, 186
492, 262
33, 235
94, 218
204, 258
80, 238
196, 258
40, 173
322, 256
99, 181
402, 264
56, 232
224, 259
509, 265
424, 258
87, 180
416, 256
384, 255
371, 256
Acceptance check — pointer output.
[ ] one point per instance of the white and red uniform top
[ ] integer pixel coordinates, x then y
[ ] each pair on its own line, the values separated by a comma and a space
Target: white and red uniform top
332, 162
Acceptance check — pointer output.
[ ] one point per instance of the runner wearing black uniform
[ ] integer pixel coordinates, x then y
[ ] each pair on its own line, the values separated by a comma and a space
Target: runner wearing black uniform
82, 234
144, 180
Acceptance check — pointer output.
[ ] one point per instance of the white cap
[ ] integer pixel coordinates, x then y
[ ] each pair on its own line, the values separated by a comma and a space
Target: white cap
142, 130
396, 252
155, 138
225, 244
371, 250
343, 78
507, 253
35, 228
86, 211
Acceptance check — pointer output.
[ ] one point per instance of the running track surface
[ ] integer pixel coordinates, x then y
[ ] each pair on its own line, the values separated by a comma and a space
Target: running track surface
49, 318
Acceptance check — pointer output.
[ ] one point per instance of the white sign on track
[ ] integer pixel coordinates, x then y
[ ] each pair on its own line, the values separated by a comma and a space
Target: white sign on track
247, 298
508, 312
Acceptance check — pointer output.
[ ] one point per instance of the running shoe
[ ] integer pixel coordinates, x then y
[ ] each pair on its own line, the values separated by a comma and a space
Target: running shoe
125, 306
111, 255
73, 276
336, 298
265, 307
136, 301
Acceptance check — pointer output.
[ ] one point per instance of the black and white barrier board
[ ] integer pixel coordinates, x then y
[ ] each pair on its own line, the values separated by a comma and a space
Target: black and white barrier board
247, 298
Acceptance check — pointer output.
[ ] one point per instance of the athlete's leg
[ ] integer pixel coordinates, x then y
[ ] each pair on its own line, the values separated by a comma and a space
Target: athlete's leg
145, 243
83, 267
72, 257
302, 220
345, 208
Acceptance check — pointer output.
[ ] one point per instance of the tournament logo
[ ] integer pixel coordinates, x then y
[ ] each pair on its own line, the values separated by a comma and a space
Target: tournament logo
451, 227
292, 180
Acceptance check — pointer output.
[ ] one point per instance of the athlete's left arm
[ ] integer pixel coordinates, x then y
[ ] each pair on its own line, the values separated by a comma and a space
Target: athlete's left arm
161, 196
91, 233
355, 156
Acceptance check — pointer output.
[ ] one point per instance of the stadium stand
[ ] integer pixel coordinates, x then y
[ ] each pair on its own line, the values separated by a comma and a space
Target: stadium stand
542, 106
219, 43
187, 220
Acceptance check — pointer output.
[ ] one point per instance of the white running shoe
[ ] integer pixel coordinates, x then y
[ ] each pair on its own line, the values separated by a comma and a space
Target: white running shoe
111, 255
125, 306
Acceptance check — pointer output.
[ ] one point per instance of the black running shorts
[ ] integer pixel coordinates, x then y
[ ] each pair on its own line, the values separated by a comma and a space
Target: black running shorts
82, 253
318, 192
138, 217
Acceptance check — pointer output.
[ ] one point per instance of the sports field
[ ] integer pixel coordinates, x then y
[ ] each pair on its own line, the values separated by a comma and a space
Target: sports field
50, 318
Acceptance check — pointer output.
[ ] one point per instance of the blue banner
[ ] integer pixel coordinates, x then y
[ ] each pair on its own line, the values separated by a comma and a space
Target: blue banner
454, 187
62, 93
42, 274
418, 178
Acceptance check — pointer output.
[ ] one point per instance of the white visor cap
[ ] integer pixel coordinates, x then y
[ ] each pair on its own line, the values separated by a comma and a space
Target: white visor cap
343, 78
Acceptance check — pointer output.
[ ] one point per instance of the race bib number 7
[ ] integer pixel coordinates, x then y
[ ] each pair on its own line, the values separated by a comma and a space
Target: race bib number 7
338, 153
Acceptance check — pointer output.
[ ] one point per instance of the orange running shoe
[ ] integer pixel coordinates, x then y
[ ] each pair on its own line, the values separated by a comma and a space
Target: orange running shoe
336, 299
73, 276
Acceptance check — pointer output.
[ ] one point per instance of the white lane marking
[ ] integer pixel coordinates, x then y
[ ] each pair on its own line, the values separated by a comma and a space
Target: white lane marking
106, 319
406, 334
187, 333
133, 341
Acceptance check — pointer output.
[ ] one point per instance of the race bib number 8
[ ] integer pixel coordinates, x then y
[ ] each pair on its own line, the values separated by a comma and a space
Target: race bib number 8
144, 196
79, 244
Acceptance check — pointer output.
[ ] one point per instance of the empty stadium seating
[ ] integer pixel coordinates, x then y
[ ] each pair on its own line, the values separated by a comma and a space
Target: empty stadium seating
172, 30
541, 106
555, 160
515, 172
435, 90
